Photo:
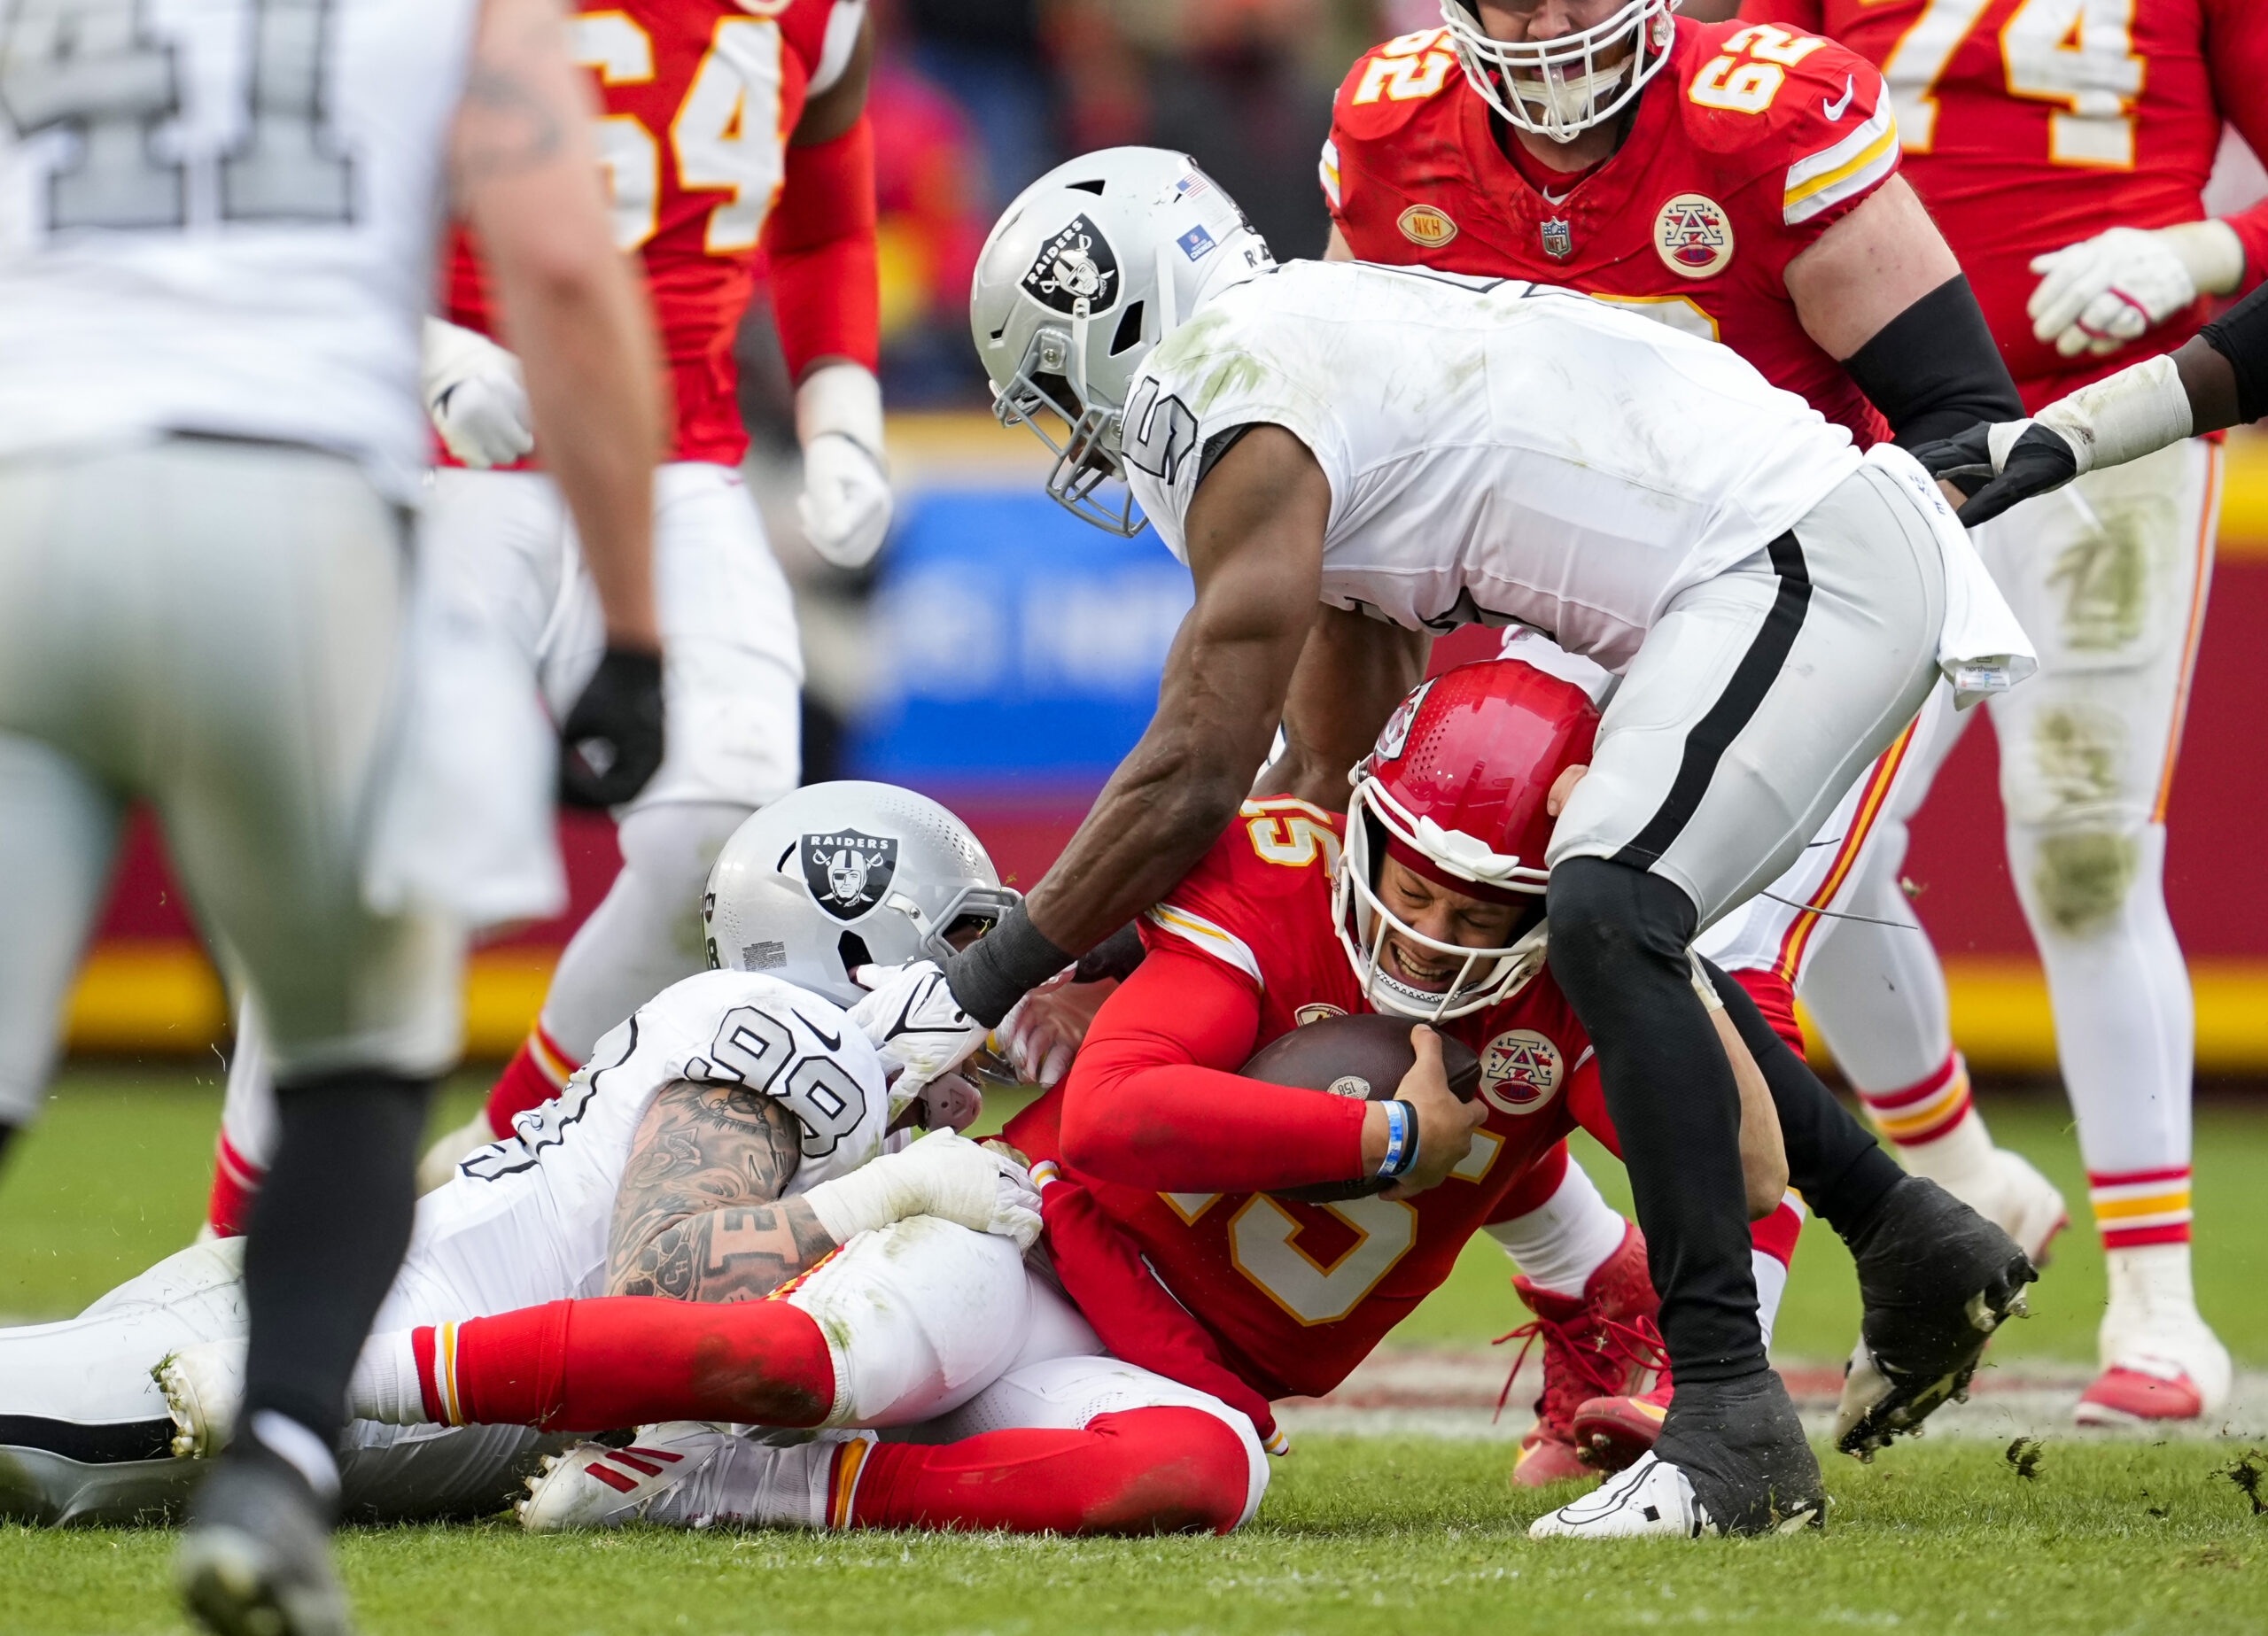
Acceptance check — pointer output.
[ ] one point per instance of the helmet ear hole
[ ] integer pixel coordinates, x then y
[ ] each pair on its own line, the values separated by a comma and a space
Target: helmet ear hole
1130, 329
852, 948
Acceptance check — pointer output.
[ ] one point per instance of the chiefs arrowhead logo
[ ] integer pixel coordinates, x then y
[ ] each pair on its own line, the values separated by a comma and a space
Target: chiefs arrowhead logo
1520, 1071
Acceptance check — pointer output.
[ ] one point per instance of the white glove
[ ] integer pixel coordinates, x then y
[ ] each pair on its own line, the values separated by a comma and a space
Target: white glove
1044, 1030
476, 396
2104, 291
942, 1175
846, 501
915, 1026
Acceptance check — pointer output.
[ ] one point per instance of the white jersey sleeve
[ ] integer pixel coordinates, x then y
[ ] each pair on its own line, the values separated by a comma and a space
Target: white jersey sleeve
1498, 451
217, 216
526, 1219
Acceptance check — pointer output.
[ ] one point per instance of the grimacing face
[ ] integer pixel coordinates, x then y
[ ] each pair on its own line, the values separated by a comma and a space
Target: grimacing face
1445, 916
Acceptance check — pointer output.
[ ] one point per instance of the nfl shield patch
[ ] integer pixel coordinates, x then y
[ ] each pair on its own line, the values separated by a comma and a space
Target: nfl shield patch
1558, 238
847, 873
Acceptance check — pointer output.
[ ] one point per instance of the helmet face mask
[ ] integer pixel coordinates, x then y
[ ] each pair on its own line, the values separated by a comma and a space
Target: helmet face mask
1084, 274
1459, 788
1559, 87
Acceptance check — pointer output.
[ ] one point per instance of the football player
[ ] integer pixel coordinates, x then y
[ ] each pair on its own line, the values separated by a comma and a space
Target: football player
723, 131
218, 231
1738, 182
731, 1136
1417, 450
2104, 122
1251, 1241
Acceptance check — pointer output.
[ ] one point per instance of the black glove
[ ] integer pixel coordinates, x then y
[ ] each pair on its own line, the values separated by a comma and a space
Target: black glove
2041, 460
612, 740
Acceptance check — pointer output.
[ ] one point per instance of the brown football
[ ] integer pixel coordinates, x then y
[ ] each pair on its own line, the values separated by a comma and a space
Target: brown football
1363, 1056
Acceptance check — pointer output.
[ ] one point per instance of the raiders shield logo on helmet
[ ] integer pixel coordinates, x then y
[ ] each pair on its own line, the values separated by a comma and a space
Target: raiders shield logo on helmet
1076, 264
1520, 1070
847, 872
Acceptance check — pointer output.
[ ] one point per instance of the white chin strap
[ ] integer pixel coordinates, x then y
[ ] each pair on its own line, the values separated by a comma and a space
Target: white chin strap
1566, 104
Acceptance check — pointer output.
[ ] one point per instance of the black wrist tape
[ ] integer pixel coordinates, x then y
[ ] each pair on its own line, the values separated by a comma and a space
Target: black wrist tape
1002, 966
2240, 336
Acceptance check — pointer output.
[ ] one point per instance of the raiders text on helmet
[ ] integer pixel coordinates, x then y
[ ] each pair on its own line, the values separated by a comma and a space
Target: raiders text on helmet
846, 875
1089, 268
1557, 88
1456, 789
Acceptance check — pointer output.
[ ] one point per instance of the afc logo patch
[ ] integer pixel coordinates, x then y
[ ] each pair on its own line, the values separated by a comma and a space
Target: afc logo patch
1694, 236
1520, 1071
1319, 1010
1076, 264
1423, 224
848, 873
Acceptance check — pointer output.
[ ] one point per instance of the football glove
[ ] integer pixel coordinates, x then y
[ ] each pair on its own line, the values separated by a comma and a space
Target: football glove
942, 1175
2001, 465
476, 397
2099, 294
611, 742
846, 502
915, 1026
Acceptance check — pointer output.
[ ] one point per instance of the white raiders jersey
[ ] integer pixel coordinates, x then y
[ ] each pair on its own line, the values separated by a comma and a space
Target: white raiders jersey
1498, 451
526, 1219
218, 216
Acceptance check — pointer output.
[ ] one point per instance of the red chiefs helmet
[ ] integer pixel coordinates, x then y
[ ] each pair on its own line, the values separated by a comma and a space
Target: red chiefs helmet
1455, 789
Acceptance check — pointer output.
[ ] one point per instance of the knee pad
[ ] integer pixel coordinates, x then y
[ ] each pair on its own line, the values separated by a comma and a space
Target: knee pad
2077, 880
1177, 1470
1609, 921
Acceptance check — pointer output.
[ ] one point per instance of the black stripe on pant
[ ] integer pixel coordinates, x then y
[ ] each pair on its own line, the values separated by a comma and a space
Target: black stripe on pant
1713, 733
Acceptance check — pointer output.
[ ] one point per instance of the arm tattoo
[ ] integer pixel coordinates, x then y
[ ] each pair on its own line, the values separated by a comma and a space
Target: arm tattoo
508, 128
699, 1216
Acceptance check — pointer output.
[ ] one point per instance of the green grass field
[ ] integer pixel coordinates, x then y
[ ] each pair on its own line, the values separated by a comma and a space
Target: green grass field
1356, 1534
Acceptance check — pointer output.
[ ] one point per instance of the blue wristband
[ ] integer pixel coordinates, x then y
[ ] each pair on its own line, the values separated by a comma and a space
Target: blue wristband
1400, 1140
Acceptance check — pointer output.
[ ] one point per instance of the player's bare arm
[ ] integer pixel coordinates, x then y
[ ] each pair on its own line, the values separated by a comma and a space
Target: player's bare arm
1352, 672
1882, 295
527, 178
699, 1215
1256, 548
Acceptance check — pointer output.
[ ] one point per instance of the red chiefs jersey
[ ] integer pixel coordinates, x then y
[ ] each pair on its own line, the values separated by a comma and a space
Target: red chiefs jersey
2028, 125
1295, 1295
1746, 147
699, 98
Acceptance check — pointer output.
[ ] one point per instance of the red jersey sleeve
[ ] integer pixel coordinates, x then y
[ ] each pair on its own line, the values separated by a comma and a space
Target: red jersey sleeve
2236, 55
1812, 119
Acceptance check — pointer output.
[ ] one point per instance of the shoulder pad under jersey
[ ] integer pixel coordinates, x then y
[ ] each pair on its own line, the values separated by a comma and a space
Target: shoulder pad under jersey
1778, 97
1266, 879
1390, 83
785, 1043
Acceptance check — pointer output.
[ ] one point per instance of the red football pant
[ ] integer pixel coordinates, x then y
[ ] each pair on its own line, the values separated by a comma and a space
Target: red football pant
1158, 1470
625, 1361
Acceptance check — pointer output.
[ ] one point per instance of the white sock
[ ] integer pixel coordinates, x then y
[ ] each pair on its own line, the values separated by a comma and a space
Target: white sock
300, 1448
385, 1386
1563, 1241
1771, 1284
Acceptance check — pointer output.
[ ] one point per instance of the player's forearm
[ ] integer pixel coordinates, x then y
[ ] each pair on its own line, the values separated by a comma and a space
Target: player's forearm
827, 297
1180, 1127
738, 1254
1934, 369
2225, 368
1352, 672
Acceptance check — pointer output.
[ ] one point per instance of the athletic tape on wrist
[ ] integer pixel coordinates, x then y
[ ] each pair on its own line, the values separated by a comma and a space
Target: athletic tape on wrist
1002, 966
2123, 416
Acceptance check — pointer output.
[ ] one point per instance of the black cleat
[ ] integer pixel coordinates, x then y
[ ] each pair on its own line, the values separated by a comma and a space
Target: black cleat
1740, 1444
1937, 1279
255, 1558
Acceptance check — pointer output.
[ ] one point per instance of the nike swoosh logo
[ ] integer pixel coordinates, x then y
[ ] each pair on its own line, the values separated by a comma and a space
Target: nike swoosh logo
1841, 106
833, 1042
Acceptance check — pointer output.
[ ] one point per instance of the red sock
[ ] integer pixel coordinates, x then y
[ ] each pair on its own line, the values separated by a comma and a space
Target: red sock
1776, 1234
537, 1073
625, 1360
235, 1183
1140, 1471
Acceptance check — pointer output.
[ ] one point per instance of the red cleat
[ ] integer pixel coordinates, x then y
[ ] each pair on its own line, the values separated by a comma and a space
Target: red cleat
2124, 1397
1598, 1346
1614, 1432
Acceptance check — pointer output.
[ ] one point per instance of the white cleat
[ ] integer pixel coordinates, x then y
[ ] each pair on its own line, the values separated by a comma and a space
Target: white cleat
2022, 1202
205, 1390
1649, 1499
2160, 1360
688, 1474
451, 1149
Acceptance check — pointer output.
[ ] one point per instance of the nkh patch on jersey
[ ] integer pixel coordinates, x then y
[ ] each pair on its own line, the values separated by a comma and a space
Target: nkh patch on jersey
1076, 264
848, 873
